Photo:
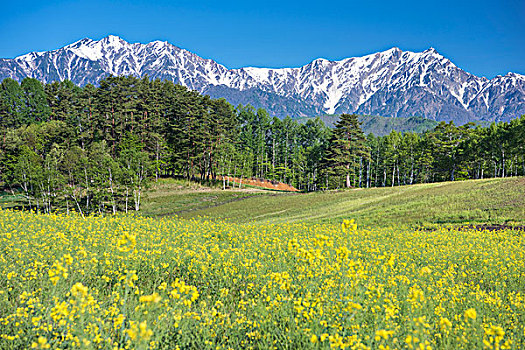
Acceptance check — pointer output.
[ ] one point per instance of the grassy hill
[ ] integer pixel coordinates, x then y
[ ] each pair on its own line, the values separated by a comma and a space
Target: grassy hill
492, 201
476, 201
381, 126
171, 197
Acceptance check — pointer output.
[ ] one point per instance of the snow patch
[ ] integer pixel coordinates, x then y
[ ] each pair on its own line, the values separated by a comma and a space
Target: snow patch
90, 53
260, 75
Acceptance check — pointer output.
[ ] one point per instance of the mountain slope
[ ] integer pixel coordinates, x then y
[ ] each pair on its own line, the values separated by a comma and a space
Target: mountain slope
392, 83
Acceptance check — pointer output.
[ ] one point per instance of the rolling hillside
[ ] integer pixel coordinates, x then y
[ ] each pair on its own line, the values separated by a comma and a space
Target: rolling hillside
494, 201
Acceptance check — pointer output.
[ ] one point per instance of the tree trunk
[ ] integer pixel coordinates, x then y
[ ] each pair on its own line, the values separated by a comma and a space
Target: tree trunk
360, 171
502, 163
348, 184
368, 174
412, 173
393, 174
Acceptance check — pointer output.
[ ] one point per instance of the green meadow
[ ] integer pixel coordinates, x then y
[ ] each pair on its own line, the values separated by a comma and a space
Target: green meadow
489, 201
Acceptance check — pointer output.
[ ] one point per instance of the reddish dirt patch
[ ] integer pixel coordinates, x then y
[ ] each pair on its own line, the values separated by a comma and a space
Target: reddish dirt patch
264, 183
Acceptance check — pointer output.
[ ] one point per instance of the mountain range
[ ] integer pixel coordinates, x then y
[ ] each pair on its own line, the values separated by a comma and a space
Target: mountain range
392, 83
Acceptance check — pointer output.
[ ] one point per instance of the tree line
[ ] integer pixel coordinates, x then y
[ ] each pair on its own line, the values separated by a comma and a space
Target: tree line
97, 149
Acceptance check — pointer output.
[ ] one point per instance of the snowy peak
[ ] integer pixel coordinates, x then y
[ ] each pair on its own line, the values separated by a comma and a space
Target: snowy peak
84, 48
393, 83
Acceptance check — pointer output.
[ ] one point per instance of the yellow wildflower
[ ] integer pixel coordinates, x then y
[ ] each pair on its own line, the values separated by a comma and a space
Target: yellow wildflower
425, 271
470, 314
153, 298
79, 290
41, 343
349, 225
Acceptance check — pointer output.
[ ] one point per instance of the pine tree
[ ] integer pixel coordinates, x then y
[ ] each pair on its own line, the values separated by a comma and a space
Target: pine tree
448, 143
347, 149
37, 109
12, 104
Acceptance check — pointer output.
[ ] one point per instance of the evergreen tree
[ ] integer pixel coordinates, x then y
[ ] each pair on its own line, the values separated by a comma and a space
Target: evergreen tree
449, 148
12, 104
36, 106
347, 149
94, 149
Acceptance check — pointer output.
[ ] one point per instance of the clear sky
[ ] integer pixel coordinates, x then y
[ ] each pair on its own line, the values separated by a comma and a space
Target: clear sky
484, 37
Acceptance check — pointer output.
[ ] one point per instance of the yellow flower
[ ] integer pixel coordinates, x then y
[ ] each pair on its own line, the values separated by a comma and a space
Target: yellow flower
153, 298
349, 224
444, 323
383, 334
141, 332
132, 331
68, 259
79, 290
496, 331
425, 271
144, 332
126, 242
470, 313
411, 341
313, 338
41, 343
57, 271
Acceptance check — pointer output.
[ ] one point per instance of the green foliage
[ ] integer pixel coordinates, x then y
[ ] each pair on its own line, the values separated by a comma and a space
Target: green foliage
382, 126
12, 103
96, 149
347, 150
36, 106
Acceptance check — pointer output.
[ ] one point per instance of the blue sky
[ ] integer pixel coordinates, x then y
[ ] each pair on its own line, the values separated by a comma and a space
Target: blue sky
483, 37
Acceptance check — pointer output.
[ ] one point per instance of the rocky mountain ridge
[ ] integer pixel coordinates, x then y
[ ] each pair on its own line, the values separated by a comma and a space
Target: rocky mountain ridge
391, 83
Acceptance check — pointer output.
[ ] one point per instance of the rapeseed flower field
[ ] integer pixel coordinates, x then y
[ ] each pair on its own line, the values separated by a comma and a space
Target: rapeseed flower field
126, 282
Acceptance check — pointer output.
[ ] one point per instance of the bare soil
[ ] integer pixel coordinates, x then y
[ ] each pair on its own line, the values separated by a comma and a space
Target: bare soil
264, 183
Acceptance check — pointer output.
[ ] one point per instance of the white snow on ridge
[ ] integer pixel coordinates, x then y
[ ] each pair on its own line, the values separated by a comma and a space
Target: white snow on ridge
460, 95
90, 53
260, 75
349, 82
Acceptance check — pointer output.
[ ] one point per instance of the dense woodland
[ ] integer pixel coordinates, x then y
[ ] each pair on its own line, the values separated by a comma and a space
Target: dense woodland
97, 149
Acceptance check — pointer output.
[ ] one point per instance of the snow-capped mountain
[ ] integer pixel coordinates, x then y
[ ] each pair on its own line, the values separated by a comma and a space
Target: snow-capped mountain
391, 83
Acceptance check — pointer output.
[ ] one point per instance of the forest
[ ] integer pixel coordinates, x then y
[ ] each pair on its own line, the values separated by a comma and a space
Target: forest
98, 149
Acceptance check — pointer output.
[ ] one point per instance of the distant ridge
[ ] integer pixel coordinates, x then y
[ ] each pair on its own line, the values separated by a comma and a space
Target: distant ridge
393, 83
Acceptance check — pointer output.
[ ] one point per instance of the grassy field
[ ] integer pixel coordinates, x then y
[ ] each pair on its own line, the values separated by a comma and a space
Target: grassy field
474, 201
172, 197
8, 200
130, 282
